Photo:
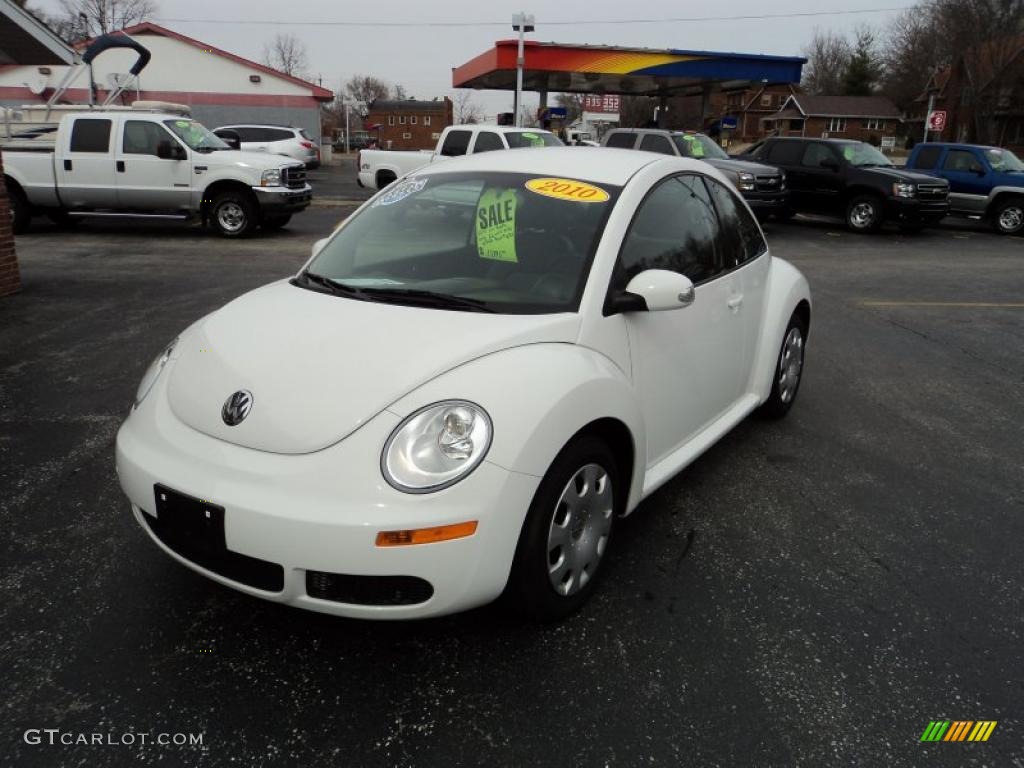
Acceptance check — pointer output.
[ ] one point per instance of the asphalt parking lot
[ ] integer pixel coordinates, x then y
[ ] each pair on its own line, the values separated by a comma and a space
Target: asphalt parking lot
811, 592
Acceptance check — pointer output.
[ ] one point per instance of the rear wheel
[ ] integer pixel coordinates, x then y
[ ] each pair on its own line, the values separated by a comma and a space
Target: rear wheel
565, 538
233, 214
864, 213
1009, 216
788, 370
276, 222
384, 178
21, 211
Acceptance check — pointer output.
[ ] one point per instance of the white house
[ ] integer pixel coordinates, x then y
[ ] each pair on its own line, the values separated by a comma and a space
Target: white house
220, 87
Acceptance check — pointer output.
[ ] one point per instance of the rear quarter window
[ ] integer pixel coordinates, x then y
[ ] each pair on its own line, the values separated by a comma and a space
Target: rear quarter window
90, 135
621, 140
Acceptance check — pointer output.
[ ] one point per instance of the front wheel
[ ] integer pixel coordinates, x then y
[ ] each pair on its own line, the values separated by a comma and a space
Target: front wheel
864, 214
1009, 216
233, 214
565, 538
21, 211
788, 370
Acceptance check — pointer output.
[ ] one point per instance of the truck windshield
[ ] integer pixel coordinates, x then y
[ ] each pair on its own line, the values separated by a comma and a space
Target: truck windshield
532, 139
1003, 161
196, 135
863, 155
698, 146
509, 243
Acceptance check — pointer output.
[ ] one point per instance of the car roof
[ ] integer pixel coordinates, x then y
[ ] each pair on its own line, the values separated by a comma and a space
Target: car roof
814, 138
257, 125
954, 144
598, 164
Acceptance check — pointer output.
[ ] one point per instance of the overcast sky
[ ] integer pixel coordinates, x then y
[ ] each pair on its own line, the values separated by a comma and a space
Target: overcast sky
421, 58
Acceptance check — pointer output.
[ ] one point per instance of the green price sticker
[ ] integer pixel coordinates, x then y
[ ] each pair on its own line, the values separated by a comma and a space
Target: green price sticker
496, 225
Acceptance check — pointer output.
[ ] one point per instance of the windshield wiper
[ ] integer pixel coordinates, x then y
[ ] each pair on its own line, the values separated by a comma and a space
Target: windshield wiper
331, 285
422, 298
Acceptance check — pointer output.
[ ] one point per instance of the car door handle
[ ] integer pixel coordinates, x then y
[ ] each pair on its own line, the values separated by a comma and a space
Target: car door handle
735, 301
120, 166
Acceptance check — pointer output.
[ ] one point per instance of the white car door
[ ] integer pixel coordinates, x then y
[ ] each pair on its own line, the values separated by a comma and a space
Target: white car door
85, 170
145, 180
688, 363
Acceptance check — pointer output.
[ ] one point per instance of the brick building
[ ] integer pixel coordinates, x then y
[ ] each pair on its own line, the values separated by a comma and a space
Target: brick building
996, 116
865, 118
408, 124
748, 105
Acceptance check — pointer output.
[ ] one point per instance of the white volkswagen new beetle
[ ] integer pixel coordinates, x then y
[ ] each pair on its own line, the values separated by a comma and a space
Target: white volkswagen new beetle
466, 385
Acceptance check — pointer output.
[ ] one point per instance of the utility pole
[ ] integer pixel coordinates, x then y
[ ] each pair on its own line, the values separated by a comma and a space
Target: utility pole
523, 24
346, 125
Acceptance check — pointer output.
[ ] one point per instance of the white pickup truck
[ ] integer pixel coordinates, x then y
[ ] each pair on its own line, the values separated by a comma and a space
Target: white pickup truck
380, 167
148, 160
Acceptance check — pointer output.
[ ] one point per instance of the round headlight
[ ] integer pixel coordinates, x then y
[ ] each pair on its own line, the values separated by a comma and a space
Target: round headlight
152, 374
436, 446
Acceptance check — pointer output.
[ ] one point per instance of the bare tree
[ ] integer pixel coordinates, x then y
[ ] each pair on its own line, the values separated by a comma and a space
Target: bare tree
828, 59
286, 53
909, 57
467, 109
636, 111
398, 93
367, 88
82, 19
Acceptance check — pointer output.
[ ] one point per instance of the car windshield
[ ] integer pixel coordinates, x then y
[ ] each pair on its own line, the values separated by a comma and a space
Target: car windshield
699, 146
517, 140
196, 135
863, 155
1003, 160
494, 242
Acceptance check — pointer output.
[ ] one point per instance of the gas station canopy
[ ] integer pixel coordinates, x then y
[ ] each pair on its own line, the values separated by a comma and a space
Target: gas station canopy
554, 67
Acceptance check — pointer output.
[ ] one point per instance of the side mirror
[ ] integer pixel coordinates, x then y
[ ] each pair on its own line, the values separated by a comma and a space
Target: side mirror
655, 290
319, 245
231, 138
829, 163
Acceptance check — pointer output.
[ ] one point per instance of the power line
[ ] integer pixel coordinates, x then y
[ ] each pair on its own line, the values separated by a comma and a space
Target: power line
587, 22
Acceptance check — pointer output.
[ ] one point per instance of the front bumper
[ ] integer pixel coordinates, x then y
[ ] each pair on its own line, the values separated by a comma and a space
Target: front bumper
283, 200
321, 512
914, 211
767, 201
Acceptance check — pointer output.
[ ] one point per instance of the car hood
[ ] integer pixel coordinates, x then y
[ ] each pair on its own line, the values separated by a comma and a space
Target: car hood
900, 174
261, 161
746, 166
319, 366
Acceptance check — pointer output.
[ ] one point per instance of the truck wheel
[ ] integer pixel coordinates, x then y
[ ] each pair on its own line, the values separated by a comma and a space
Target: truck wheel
864, 213
275, 222
384, 178
21, 212
234, 214
1009, 216
564, 541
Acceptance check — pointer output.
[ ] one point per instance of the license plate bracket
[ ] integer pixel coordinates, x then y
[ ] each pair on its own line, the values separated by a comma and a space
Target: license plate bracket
194, 525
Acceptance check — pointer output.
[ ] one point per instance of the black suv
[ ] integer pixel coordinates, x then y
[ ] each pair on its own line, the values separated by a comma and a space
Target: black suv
854, 181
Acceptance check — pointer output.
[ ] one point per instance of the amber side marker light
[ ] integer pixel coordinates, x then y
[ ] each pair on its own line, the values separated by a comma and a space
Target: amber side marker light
425, 535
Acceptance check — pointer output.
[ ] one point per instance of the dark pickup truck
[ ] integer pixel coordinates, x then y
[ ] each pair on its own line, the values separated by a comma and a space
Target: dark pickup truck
854, 181
984, 182
763, 188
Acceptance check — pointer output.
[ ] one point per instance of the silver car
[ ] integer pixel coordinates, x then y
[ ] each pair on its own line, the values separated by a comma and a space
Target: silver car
276, 139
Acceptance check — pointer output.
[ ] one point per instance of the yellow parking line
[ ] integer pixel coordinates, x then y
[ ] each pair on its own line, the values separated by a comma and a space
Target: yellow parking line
963, 304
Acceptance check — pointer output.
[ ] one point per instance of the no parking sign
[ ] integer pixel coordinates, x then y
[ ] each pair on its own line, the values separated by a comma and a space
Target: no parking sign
937, 121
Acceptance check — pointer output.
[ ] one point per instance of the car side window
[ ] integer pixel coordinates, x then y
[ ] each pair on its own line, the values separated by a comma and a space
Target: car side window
621, 140
963, 161
246, 134
927, 157
815, 154
785, 152
278, 134
142, 138
90, 135
456, 143
487, 141
674, 228
652, 142
740, 238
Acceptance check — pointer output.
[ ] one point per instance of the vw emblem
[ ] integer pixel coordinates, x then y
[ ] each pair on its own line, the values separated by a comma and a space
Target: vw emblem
236, 407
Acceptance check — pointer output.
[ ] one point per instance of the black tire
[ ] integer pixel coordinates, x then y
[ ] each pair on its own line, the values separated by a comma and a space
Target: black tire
21, 211
1008, 217
864, 213
784, 390
531, 591
785, 214
276, 222
233, 213
384, 178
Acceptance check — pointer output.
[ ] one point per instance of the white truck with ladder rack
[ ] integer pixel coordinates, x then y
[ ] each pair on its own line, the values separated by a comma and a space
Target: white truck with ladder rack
147, 160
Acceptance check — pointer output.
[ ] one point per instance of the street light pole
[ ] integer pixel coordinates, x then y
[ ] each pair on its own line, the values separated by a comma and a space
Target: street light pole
346, 126
524, 24
928, 115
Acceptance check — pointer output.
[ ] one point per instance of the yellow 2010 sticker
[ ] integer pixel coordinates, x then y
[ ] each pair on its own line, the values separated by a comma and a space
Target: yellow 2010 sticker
567, 189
